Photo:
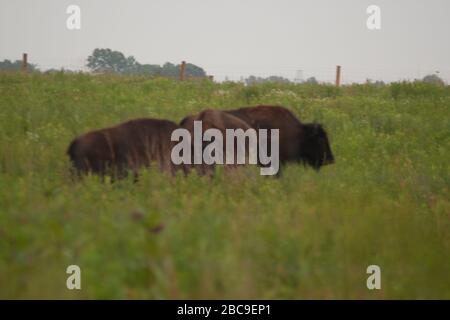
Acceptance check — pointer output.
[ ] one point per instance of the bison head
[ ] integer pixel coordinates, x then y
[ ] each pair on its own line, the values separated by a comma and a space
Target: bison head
315, 148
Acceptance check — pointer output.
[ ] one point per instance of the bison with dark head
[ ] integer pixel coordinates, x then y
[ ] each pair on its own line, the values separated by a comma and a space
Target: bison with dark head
315, 149
306, 143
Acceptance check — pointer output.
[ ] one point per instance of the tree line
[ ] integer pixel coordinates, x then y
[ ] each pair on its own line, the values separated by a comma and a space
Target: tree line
111, 61
115, 62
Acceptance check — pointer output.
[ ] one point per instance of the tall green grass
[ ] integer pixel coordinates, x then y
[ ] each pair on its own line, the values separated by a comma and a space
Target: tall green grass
238, 235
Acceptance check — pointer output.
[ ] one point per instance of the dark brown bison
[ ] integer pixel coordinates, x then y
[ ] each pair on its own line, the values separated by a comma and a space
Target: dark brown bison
215, 119
307, 143
124, 147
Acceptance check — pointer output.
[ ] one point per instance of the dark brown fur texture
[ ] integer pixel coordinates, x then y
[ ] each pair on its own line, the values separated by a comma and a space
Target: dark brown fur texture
124, 147
307, 143
218, 120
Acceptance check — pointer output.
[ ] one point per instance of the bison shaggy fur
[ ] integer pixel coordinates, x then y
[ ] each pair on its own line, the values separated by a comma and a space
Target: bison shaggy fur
125, 147
214, 119
306, 143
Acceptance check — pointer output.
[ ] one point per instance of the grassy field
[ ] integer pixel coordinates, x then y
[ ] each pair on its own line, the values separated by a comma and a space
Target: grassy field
305, 235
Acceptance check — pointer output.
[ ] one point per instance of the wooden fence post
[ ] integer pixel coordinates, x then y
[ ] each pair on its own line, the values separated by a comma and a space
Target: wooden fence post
24, 62
338, 76
182, 70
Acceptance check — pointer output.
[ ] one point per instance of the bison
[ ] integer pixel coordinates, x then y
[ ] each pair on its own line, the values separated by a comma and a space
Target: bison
125, 147
299, 142
212, 118
216, 119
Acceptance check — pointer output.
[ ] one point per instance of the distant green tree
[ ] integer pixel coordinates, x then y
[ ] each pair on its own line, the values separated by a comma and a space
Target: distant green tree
252, 80
170, 70
173, 71
106, 60
276, 79
377, 83
433, 79
312, 80
148, 69
16, 65
193, 71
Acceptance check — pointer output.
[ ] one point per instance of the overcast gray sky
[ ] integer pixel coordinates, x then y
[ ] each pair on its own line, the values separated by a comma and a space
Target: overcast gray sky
236, 38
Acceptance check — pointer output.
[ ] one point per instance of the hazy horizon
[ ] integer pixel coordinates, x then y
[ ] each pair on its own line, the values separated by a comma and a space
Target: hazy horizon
235, 39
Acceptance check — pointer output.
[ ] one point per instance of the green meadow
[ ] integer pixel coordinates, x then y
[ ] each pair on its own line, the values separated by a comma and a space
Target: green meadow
305, 235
